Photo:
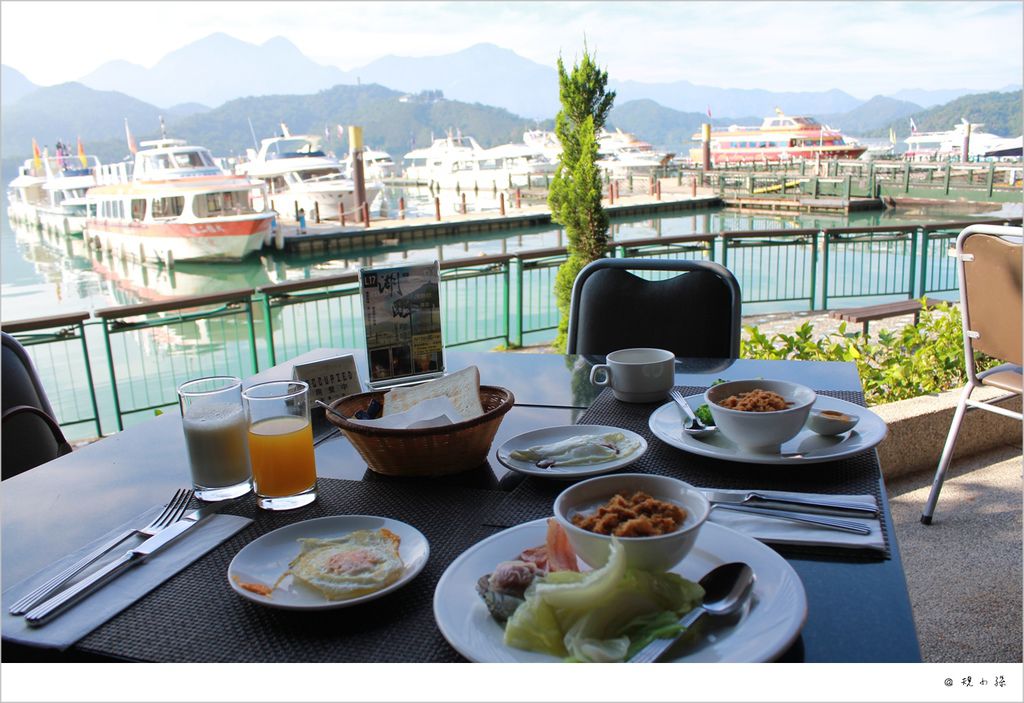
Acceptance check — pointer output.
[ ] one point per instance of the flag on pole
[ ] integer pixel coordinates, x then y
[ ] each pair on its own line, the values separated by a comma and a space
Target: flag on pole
81, 154
36, 161
341, 131
131, 140
709, 112
913, 127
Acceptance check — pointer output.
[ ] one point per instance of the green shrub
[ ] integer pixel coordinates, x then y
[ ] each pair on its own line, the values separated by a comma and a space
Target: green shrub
920, 359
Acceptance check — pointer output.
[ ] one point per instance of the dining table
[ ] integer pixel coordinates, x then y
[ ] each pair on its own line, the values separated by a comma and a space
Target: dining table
857, 604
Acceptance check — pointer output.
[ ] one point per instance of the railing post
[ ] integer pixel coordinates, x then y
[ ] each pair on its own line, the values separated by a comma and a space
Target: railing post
814, 269
990, 178
268, 326
88, 377
824, 270
514, 292
945, 178
252, 336
725, 252
906, 177
924, 251
913, 263
113, 376
619, 251
846, 186
871, 181
814, 187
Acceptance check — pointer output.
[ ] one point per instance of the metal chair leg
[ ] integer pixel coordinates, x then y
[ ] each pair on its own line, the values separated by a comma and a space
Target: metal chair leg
947, 454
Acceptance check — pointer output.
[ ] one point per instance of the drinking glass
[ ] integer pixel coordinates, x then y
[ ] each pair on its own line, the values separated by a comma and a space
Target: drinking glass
215, 433
281, 444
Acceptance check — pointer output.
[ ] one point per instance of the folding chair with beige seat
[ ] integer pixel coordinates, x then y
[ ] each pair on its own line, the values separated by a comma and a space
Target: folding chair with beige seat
989, 264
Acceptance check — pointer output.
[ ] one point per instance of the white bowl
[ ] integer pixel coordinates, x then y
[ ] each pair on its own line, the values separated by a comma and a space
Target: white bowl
831, 422
757, 431
657, 553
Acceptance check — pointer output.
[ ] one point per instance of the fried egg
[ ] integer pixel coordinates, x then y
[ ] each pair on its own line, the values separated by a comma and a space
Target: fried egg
345, 567
579, 450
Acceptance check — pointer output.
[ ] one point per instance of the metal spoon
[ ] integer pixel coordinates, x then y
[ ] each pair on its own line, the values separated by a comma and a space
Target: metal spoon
329, 409
726, 590
693, 426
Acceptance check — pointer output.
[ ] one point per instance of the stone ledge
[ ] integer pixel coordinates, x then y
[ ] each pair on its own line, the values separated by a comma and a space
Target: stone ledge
918, 429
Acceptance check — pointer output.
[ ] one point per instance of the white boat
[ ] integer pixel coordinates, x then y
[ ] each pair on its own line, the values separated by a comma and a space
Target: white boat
299, 175
52, 197
458, 161
177, 203
941, 146
623, 154
377, 165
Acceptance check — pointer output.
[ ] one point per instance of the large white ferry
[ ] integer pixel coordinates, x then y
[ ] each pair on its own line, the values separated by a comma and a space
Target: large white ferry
51, 195
299, 175
779, 138
176, 203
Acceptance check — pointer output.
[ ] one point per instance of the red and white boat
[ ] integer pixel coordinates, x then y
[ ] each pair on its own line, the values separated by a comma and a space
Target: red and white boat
779, 138
177, 202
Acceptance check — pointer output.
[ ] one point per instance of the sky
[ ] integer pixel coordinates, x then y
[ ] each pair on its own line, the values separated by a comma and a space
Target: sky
865, 48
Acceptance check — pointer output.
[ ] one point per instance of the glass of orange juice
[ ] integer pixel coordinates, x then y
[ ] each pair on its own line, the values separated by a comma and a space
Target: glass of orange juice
281, 444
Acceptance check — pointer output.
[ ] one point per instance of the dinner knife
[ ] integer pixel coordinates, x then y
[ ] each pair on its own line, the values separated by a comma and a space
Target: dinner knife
48, 609
829, 523
835, 505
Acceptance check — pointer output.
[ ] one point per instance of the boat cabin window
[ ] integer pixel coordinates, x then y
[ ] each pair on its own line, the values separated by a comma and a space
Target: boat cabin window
164, 208
277, 184
231, 202
138, 209
187, 159
316, 174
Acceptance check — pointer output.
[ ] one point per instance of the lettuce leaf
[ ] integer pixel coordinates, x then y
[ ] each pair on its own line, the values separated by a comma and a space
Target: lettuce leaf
603, 615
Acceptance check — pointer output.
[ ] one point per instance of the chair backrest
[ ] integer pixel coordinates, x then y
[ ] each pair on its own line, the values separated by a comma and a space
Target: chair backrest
694, 314
990, 291
30, 435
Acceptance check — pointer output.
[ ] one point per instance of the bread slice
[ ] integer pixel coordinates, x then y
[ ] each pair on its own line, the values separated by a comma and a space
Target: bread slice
461, 387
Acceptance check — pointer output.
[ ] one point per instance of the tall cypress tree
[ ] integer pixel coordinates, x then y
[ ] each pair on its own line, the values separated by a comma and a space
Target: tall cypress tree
575, 195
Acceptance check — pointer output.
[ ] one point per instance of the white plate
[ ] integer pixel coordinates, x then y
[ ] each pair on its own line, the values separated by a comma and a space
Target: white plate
667, 425
550, 435
775, 617
264, 560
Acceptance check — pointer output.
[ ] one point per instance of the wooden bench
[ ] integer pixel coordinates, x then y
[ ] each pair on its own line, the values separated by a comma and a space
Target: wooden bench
870, 313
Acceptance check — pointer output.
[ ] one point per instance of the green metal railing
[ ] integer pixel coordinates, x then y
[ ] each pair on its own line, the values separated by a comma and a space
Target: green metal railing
147, 350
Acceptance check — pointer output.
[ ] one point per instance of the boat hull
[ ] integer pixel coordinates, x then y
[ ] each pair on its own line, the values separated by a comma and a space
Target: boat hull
223, 240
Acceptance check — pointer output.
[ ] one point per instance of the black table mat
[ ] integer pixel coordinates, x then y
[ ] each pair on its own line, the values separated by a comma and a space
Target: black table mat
533, 497
196, 617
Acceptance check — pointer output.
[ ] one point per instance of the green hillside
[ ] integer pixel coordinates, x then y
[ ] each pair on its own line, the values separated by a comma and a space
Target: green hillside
876, 113
665, 128
68, 111
1001, 113
392, 124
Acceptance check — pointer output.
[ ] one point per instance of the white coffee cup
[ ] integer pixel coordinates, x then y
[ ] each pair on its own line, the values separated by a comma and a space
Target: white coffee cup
637, 375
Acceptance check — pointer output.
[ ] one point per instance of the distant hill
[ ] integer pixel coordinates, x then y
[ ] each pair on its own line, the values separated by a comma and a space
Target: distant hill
68, 111
877, 112
215, 69
931, 98
1001, 113
483, 73
389, 121
733, 102
13, 85
185, 109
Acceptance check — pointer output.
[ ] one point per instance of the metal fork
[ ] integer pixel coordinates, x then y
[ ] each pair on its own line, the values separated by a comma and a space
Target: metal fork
830, 523
174, 509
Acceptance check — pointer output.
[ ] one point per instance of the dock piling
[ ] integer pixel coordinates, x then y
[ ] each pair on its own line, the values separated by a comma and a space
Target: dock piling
463, 203
401, 208
437, 208
316, 212
366, 213
501, 203
341, 214
519, 199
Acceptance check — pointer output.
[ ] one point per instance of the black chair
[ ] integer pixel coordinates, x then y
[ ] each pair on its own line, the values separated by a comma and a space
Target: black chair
694, 314
31, 436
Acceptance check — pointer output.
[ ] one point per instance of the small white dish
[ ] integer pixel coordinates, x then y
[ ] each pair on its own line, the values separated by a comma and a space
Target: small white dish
831, 422
653, 553
264, 560
776, 615
550, 435
808, 447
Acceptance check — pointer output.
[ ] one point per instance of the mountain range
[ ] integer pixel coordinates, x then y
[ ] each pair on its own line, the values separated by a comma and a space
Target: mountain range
483, 73
486, 91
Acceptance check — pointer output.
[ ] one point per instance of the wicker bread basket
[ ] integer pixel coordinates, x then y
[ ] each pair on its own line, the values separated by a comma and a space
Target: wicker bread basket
432, 451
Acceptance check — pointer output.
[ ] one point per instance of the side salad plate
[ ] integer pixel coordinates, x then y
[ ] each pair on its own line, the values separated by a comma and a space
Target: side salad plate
265, 559
772, 623
572, 451
808, 447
